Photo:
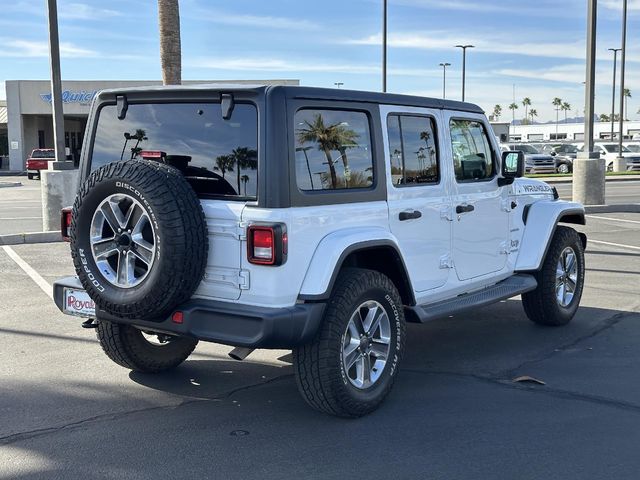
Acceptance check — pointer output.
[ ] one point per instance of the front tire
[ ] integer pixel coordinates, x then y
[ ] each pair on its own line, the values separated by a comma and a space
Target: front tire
129, 347
350, 367
560, 281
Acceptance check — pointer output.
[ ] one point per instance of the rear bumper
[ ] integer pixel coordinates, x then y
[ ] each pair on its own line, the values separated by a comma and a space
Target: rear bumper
224, 322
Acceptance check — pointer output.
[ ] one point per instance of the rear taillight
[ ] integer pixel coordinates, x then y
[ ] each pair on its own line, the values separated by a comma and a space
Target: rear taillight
267, 244
65, 223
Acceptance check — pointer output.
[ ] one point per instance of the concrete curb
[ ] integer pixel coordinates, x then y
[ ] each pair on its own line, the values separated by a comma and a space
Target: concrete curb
622, 208
7, 173
31, 237
10, 184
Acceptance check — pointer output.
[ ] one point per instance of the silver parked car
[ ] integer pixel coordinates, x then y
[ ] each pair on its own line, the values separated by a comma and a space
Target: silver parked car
534, 161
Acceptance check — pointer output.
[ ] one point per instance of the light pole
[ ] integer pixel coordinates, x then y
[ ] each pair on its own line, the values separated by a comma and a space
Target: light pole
338, 84
613, 95
384, 45
589, 168
621, 162
464, 64
444, 78
56, 84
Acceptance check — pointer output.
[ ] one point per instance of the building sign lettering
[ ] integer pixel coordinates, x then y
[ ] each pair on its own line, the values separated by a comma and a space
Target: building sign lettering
83, 97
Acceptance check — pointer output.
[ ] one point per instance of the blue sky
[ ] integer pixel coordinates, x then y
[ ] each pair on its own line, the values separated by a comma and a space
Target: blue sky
538, 46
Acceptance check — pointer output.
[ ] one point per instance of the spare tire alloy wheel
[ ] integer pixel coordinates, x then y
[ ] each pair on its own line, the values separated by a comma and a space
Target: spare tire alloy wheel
123, 241
138, 239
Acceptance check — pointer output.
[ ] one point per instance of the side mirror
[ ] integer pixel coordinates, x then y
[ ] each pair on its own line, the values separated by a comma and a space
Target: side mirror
512, 167
553, 153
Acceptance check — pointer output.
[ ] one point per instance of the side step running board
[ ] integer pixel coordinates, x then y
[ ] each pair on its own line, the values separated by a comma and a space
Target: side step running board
512, 286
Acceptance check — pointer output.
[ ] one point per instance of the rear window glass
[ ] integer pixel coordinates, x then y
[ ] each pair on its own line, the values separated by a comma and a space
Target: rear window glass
43, 154
217, 156
333, 150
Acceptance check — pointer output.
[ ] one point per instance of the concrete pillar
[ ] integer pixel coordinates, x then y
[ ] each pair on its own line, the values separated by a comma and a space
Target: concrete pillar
58, 188
588, 179
619, 164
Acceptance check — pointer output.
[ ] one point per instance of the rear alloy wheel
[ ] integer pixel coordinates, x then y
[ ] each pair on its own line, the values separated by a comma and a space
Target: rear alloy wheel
146, 352
350, 367
563, 168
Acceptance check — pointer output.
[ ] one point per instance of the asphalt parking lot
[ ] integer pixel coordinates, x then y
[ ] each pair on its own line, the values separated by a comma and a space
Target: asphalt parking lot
66, 411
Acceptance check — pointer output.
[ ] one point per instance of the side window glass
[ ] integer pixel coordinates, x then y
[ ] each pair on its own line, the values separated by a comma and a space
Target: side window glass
413, 150
472, 157
332, 150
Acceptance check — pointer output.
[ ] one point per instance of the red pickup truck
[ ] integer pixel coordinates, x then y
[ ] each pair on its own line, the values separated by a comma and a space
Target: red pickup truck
39, 160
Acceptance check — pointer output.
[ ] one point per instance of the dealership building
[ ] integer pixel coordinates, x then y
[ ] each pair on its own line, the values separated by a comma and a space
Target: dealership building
26, 119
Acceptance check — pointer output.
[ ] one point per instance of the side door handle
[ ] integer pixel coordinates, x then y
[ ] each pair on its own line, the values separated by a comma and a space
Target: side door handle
464, 209
409, 215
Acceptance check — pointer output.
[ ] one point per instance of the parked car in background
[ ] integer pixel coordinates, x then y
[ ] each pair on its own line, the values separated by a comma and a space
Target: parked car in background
633, 147
534, 161
563, 153
609, 151
39, 160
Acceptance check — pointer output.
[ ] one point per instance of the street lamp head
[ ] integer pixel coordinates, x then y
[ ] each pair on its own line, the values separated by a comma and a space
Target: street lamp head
614, 49
446, 64
465, 46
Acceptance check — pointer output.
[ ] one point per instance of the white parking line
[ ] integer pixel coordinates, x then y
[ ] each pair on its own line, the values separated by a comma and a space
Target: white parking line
613, 219
35, 276
619, 245
29, 218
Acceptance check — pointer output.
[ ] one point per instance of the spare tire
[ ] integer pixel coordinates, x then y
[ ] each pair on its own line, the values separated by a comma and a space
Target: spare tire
138, 239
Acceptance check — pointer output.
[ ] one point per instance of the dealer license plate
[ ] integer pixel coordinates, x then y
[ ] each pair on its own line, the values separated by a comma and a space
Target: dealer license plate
79, 303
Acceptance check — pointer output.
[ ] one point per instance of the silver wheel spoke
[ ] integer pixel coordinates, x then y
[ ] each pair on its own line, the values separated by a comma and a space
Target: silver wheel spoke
351, 358
566, 277
143, 250
369, 320
126, 264
366, 369
104, 248
380, 351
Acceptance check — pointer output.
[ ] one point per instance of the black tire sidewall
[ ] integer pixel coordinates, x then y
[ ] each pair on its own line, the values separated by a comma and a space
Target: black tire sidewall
567, 313
376, 392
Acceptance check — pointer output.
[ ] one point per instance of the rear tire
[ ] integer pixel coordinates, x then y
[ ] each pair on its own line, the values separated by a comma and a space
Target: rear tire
30, 176
128, 347
556, 299
324, 377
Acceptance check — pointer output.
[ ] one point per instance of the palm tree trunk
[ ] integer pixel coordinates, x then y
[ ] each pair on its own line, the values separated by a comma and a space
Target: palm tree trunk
332, 169
170, 51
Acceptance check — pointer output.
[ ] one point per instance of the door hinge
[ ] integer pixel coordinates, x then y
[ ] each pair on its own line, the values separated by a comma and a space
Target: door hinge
504, 249
505, 205
236, 278
446, 261
446, 213
242, 230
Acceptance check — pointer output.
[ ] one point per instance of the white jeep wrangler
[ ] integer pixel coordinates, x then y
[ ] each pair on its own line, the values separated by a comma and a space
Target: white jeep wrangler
308, 219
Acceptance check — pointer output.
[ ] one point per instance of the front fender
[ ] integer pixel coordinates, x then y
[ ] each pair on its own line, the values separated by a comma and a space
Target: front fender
542, 217
331, 252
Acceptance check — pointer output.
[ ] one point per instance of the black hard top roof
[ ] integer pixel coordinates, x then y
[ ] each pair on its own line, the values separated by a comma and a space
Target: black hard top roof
314, 93
376, 97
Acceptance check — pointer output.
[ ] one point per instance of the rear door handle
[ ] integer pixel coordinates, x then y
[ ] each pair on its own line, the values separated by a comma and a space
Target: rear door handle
464, 209
409, 215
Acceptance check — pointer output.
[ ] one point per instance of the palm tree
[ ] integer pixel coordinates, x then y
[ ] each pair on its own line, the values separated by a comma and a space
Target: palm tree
566, 106
170, 50
497, 111
533, 113
557, 102
627, 96
139, 136
245, 179
604, 117
224, 163
329, 137
244, 157
513, 107
526, 101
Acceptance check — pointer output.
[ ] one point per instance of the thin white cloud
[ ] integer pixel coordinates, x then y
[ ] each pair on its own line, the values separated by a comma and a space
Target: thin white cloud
29, 48
280, 65
82, 11
632, 5
485, 43
257, 21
